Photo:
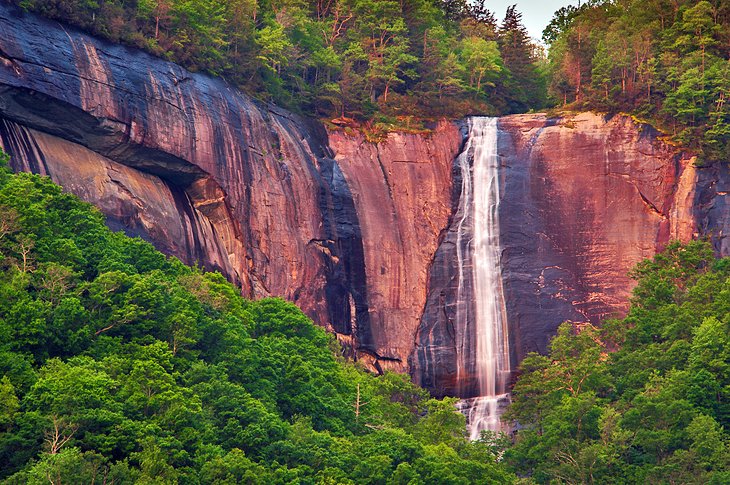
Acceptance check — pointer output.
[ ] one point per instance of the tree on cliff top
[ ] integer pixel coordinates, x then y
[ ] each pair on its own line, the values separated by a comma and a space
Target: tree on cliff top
665, 61
374, 60
523, 88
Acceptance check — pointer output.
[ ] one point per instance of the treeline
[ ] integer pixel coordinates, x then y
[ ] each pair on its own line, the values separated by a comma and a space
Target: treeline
119, 365
353, 58
667, 61
645, 399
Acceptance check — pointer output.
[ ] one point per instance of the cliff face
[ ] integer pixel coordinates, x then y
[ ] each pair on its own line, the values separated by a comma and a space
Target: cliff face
181, 159
356, 233
583, 199
208, 175
140, 203
402, 193
591, 197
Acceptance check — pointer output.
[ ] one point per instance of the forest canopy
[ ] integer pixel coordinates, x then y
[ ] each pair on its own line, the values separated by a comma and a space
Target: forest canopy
666, 61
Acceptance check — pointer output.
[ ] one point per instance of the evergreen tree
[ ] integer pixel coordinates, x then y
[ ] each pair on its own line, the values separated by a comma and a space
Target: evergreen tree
516, 51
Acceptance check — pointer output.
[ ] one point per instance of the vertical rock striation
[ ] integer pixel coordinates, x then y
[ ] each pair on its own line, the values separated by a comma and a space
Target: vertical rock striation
586, 198
402, 195
141, 204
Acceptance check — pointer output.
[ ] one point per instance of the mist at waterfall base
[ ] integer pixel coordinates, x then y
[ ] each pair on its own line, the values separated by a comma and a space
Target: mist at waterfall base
483, 339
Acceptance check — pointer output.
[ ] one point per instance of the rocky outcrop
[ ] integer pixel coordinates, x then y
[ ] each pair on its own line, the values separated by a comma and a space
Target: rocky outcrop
708, 191
402, 192
139, 203
583, 199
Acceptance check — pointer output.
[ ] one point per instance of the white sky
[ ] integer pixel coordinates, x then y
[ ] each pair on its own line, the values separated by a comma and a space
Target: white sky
536, 14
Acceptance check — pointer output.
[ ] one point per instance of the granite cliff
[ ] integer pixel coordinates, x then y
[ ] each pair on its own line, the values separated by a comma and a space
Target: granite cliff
356, 233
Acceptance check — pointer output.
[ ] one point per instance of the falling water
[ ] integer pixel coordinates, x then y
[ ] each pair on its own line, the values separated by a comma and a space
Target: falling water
490, 350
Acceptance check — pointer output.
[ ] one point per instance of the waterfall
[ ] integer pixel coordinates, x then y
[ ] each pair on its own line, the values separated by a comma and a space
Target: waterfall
482, 338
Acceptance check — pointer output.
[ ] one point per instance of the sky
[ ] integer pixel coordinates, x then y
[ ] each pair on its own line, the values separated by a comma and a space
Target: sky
536, 14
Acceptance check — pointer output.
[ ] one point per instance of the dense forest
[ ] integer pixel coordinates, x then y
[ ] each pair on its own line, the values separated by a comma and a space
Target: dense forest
666, 61
396, 62
376, 60
119, 365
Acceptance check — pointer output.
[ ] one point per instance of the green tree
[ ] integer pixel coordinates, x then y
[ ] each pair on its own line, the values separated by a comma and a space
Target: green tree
483, 62
644, 398
9, 403
385, 46
517, 54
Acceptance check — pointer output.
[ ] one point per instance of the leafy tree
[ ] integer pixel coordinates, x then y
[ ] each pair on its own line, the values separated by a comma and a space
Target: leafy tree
482, 60
8, 402
664, 61
121, 365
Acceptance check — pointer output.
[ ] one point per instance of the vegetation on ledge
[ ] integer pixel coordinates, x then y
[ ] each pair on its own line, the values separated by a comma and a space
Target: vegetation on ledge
665, 61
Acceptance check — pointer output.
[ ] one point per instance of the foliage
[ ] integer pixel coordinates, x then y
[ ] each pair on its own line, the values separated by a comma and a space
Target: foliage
667, 61
119, 365
346, 58
657, 409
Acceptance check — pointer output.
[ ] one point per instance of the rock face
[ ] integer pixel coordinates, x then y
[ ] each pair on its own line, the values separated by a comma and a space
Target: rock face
208, 175
402, 192
592, 199
583, 200
181, 159
356, 233
137, 202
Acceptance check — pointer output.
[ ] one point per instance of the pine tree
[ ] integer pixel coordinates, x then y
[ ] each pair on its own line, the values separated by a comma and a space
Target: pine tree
516, 50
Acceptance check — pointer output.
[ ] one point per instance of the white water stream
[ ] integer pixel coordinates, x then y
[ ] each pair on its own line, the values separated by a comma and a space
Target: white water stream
490, 353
